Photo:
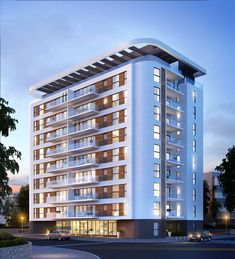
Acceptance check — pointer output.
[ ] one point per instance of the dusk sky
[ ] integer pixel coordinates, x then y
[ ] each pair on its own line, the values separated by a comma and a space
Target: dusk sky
41, 38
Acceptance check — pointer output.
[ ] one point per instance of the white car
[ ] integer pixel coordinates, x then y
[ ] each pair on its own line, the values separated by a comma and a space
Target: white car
59, 235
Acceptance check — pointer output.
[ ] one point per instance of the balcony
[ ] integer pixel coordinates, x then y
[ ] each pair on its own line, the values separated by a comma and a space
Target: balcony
174, 143
85, 180
75, 147
174, 90
173, 107
173, 196
83, 163
173, 125
173, 161
171, 179
83, 94
57, 136
83, 111
82, 129
57, 120
173, 214
57, 167
56, 104
65, 215
72, 198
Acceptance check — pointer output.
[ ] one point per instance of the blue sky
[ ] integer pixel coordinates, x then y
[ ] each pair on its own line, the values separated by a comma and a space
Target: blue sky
41, 38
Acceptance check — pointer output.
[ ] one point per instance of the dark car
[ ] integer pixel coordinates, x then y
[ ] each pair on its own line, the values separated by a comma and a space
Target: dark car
200, 236
57, 234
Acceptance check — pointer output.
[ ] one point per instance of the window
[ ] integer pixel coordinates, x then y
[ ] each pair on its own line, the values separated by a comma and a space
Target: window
156, 76
156, 150
194, 96
115, 81
156, 189
194, 162
115, 118
156, 112
194, 195
194, 129
156, 229
194, 211
156, 94
156, 170
156, 134
156, 208
194, 145
115, 155
194, 178
194, 112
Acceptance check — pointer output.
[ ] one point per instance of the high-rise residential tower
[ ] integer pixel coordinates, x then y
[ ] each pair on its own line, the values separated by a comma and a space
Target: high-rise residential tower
117, 145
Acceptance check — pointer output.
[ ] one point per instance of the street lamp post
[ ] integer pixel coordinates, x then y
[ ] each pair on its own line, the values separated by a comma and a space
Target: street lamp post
226, 223
22, 225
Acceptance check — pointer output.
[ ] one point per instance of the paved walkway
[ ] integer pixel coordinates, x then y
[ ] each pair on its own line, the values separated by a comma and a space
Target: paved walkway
50, 252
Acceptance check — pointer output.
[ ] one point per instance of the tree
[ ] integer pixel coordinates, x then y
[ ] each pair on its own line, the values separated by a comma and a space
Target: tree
214, 208
227, 179
206, 197
8, 155
23, 200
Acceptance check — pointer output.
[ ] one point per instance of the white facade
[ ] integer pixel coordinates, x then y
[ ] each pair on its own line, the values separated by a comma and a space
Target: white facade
163, 143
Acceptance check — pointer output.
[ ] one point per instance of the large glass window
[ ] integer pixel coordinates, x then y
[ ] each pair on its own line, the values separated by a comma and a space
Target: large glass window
156, 170
194, 96
156, 151
194, 145
194, 195
156, 134
156, 76
156, 208
156, 189
194, 129
156, 113
156, 93
194, 112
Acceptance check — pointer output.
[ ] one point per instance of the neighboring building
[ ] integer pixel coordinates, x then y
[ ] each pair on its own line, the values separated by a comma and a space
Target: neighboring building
117, 145
216, 193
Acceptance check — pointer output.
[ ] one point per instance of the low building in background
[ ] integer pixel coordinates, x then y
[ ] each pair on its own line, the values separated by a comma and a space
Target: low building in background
216, 193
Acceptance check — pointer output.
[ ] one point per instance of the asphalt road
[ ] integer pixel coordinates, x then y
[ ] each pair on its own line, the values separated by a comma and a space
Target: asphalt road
176, 250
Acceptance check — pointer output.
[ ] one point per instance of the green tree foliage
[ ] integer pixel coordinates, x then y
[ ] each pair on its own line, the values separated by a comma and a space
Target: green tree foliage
8, 155
215, 206
23, 200
227, 179
206, 197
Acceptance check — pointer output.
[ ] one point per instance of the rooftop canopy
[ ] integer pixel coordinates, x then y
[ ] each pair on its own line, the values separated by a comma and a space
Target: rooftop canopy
131, 50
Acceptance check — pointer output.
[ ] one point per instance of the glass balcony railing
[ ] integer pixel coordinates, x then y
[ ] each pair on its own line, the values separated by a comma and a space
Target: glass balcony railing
71, 147
173, 104
173, 123
56, 167
81, 128
174, 86
174, 141
90, 196
55, 119
82, 162
82, 110
53, 135
173, 214
71, 181
173, 159
56, 102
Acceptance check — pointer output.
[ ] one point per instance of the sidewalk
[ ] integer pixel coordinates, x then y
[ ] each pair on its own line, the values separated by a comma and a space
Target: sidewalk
49, 252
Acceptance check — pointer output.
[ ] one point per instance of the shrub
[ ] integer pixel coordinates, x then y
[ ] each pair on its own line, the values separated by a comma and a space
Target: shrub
178, 233
5, 235
13, 242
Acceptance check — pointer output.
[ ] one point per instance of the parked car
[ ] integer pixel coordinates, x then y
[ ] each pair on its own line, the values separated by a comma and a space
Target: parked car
58, 234
200, 236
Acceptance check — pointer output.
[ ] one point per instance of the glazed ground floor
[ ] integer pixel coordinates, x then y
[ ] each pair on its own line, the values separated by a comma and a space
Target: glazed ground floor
138, 228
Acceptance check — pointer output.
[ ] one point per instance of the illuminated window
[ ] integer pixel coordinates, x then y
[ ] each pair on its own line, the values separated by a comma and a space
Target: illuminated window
156, 73
156, 170
194, 211
194, 162
194, 96
156, 134
156, 189
194, 145
194, 178
194, 195
156, 208
156, 113
194, 113
194, 129
156, 150
156, 94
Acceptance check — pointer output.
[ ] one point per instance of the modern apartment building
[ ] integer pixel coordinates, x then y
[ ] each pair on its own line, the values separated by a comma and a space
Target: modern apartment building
216, 193
117, 145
